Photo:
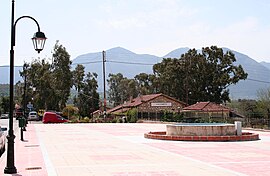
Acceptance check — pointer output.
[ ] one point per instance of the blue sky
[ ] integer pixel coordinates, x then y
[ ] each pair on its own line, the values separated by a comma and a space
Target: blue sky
142, 26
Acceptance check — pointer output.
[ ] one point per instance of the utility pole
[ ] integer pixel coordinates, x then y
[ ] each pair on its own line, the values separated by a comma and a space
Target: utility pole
104, 81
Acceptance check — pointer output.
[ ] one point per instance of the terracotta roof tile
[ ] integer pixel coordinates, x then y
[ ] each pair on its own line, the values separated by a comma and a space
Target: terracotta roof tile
206, 106
135, 102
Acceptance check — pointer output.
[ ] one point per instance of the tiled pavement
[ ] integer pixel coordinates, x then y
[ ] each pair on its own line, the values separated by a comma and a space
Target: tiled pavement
121, 149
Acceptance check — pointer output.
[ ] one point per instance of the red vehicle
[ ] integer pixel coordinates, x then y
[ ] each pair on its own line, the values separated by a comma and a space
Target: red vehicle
52, 117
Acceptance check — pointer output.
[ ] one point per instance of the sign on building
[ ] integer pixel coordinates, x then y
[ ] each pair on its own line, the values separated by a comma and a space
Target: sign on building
161, 104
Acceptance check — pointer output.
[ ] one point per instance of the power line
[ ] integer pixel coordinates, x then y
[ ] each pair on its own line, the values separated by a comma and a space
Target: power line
131, 63
85, 63
258, 80
7, 66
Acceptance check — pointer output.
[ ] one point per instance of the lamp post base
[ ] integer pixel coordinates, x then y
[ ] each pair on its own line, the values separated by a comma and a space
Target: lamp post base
10, 167
11, 170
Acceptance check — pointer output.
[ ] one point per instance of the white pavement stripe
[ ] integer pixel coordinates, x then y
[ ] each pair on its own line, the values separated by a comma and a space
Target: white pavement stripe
49, 167
240, 162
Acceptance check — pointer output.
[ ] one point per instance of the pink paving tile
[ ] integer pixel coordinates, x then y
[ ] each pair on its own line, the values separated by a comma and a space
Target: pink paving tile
114, 157
121, 129
147, 173
223, 155
28, 155
252, 168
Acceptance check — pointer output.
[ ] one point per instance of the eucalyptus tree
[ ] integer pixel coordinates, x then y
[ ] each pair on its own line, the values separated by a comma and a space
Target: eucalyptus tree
78, 75
115, 92
40, 85
121, 88
61, 73
170, 76
88, 97
146, 84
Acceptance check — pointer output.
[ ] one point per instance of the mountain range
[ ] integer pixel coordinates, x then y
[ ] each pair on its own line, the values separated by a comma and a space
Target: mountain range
121, 60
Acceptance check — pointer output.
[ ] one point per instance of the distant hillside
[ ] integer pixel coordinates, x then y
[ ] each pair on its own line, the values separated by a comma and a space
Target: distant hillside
4, 74
176, 53
266, 64
258, 78
120, 60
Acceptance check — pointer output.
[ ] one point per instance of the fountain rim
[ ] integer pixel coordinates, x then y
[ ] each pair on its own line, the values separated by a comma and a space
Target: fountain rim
201, 124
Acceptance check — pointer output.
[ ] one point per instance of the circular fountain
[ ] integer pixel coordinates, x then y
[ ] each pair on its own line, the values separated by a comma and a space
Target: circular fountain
200, 129
203, 132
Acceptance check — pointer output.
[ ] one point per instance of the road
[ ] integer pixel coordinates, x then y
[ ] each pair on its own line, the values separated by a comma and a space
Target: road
4, 123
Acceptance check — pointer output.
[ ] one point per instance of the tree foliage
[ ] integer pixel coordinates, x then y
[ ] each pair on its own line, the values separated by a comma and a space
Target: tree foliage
88, 98
4, 104
264, 101
115, 93
121, 88
201, 76
61, 71
78, 75
48, 85
146, 83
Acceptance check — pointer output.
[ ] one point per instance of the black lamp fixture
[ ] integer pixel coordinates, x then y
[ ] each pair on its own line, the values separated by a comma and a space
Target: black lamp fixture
38, 42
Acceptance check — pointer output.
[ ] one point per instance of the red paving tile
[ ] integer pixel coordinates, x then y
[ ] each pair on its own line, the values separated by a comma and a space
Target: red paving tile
28, 155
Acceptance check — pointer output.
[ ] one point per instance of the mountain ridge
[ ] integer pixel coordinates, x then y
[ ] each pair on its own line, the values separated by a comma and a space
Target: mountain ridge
121, 60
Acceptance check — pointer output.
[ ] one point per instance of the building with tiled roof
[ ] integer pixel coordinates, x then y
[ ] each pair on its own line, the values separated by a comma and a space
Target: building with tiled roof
207, 109
149, 106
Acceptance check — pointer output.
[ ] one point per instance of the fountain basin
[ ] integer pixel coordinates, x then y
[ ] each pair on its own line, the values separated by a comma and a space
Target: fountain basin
201, 129
203, 132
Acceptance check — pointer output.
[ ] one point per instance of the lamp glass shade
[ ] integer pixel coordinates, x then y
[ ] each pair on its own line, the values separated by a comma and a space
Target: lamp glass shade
39, 41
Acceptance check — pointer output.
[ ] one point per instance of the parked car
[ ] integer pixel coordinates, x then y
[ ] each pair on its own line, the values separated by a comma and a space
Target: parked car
4, 116
52, 117
33, 116
2, 140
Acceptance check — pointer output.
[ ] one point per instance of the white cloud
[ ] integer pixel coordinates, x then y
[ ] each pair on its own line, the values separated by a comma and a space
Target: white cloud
154, 14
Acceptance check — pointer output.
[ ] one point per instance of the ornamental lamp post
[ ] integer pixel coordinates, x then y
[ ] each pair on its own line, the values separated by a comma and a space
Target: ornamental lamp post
38, 42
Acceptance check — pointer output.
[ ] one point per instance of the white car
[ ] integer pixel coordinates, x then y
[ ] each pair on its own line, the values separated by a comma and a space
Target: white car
33, 116
4, 116
2, 140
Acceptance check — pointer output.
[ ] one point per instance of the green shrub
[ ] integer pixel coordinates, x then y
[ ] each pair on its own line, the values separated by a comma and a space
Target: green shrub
70, 111
114, 121
132, 115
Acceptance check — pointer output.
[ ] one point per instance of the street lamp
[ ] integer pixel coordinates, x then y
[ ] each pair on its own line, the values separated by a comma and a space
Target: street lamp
38, 42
